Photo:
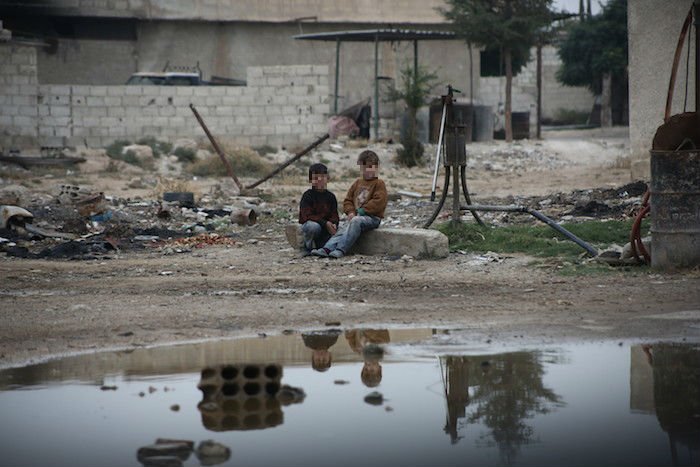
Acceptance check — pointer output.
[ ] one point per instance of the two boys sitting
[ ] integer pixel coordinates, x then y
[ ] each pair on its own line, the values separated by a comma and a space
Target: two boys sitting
364, 205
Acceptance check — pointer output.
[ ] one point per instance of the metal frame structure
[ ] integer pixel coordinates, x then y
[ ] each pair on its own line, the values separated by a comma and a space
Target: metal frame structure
376, 36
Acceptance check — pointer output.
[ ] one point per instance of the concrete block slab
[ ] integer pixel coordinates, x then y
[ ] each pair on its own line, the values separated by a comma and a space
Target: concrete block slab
419, 243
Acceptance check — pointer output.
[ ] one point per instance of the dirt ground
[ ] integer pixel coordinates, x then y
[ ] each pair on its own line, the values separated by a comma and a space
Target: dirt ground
260, 285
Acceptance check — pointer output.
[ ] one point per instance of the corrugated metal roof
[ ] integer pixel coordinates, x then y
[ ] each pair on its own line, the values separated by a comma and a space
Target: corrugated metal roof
370, 35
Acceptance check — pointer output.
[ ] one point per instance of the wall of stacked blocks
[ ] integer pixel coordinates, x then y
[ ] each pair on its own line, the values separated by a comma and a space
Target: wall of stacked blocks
280, 105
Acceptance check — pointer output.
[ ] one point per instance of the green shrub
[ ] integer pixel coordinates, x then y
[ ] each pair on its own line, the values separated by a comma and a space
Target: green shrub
265, 149
114, 150
158, 147
185, 155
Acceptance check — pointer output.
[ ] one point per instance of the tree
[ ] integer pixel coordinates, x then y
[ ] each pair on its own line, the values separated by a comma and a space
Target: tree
416, 85
594, 54
511, 25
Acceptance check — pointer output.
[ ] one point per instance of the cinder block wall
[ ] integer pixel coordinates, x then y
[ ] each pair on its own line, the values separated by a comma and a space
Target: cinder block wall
280, 105
555, 96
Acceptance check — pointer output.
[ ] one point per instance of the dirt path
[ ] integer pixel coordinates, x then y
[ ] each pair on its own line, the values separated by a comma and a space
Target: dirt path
259, 285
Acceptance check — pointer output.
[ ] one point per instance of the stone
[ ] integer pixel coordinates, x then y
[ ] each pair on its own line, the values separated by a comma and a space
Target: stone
179, 450
142, 153
418, 243
374, 398
185, 143
161, 461
627, 249
209, 452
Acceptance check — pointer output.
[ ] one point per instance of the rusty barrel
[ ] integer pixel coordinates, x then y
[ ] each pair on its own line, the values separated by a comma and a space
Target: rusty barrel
675, 209
521, 125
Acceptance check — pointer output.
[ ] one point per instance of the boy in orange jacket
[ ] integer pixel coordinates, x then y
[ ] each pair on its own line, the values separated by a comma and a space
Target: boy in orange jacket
364, 205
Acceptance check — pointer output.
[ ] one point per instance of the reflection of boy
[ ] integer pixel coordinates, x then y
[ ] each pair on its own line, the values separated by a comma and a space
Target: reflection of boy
319, 343
361, 341
364, 205
318, 210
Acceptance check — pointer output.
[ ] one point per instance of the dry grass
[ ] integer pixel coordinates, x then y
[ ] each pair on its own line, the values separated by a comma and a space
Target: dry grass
244, 160
171, 185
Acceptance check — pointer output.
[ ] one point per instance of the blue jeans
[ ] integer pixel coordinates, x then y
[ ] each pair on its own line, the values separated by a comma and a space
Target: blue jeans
312, 232
350, 231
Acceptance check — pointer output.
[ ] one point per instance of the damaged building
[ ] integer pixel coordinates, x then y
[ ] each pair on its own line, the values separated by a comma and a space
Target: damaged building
67, 61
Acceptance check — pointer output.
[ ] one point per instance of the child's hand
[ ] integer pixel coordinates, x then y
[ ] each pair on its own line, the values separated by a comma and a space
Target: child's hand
330, 226
351, 215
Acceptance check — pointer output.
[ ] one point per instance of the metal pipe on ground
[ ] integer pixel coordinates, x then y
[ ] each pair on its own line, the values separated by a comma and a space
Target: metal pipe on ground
592, 251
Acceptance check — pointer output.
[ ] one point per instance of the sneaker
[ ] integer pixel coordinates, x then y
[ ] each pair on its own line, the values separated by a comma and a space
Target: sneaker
320, 252
336, 254
304, 252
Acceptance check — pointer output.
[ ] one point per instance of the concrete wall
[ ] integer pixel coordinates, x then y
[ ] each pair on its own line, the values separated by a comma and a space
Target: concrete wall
361, 11
85, 61
228, 49
280, 105
555, 96
653, 29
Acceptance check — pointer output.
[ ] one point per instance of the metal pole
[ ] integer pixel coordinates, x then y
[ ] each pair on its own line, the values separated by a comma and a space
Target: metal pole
337, 71
376, 87
696, 6
415, 59
455, 186
437, 152
539, 91
218, 150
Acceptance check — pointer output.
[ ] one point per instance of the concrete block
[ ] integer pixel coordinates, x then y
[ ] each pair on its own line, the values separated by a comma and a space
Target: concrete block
419, 243
113, 101
59, 111
95, 101
28, 110
116, 111
97, 111
99, 91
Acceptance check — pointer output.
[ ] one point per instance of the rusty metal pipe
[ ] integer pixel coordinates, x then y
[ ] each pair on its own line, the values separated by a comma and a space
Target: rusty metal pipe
676, 60
218, 150
297, 156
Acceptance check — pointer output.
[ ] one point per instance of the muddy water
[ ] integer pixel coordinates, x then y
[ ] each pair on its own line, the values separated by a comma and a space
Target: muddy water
370, 397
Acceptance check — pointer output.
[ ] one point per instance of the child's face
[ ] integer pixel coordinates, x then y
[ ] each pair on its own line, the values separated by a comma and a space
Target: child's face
369, 171
319, 181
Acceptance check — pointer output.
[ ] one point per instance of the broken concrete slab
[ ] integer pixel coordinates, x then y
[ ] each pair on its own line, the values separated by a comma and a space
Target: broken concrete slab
419, 243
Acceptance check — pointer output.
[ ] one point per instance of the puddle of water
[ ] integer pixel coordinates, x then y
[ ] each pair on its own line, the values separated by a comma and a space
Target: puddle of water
370, 398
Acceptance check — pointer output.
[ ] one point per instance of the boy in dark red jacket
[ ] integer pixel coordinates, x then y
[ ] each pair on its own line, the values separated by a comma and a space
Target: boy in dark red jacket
318, 211
364, 205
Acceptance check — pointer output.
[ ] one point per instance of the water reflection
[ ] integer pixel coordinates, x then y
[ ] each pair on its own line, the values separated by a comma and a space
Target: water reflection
244, 397
598, 404
365, 342
319, 342
676, 372
502, 392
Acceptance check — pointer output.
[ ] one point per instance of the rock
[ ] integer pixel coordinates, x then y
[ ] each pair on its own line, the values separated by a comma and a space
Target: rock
627, 250
374, 398
97, 160
178, 441
179, 450
142, 153
202, 154
185, 143
161, 461
209, 452
418, 243
15, 195
290, 395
